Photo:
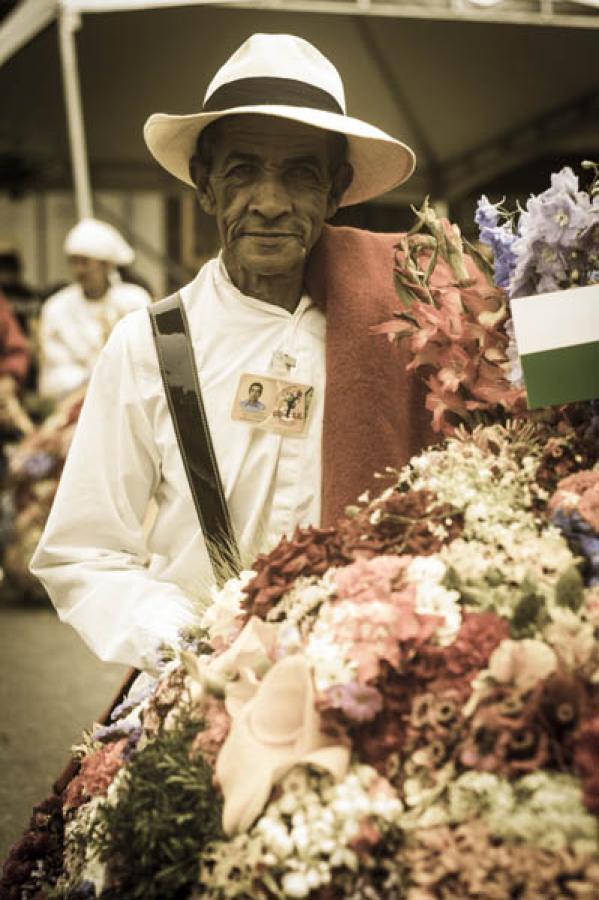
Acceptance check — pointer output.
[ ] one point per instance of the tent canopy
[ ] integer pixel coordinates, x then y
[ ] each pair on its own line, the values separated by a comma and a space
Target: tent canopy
474, 98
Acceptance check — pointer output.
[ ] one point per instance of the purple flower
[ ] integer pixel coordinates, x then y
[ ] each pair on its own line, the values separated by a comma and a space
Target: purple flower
38, 465
559, 214
486, 215
107, 733
134, 697
359, 702
500, 238
132, 742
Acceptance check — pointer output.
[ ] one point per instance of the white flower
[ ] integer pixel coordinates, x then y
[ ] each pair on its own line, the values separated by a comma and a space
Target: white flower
522, 663
426, 568
295, 884
435, 600
329, 659
219, 619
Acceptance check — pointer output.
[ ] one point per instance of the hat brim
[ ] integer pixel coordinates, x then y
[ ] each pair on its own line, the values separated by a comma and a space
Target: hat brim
380, 162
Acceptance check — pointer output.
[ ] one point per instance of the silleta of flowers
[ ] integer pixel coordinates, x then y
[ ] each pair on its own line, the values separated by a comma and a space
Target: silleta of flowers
403, 707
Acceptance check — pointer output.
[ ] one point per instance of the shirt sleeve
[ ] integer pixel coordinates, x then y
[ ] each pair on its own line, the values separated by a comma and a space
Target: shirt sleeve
93, 557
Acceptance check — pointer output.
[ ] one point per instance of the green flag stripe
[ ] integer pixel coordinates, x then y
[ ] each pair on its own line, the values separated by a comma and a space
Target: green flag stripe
562, 375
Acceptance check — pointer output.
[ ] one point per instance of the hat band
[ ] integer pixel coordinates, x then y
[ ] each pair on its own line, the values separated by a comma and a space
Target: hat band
269, 91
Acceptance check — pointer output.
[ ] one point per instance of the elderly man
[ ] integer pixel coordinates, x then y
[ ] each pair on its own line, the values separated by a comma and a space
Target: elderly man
287, 303
76, 321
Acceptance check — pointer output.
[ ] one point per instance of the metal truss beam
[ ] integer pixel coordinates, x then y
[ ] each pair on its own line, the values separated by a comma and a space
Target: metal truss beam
560, 13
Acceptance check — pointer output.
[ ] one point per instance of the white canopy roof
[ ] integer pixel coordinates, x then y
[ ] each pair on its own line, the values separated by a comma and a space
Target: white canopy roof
473, 98
31, 16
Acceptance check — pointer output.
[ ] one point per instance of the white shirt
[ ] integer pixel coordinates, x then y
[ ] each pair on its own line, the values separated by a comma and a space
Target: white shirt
73, 331
125, 591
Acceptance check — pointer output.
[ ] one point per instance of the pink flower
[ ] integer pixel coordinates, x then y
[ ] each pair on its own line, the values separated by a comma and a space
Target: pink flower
359, 702
368, 580
95, 775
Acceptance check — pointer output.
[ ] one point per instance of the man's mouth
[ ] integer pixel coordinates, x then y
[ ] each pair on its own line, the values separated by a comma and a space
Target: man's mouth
269, 235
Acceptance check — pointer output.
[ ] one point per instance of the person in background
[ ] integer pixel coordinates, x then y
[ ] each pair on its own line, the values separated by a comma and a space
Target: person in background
24, 302
15, 357
77, 320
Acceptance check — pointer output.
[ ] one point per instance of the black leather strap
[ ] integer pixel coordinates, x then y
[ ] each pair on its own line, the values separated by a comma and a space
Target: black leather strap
182, 389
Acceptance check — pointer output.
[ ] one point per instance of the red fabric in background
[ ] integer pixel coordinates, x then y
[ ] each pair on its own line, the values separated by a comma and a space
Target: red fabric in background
14, 348
374, 414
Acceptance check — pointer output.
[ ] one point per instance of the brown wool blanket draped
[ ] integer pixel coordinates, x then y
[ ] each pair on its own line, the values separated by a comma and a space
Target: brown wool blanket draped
374, 413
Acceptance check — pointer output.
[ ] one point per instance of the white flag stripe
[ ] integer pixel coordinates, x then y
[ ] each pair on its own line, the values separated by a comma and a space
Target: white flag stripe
560, 319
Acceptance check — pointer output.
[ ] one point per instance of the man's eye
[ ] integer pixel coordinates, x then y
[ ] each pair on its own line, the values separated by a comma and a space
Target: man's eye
241, 171
304, 172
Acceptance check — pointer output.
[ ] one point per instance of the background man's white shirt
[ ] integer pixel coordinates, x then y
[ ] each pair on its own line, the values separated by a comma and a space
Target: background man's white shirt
123, 590
73, 331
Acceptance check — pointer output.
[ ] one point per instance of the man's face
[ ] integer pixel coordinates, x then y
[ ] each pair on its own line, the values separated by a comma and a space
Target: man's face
92, 275
255, 392
270, 188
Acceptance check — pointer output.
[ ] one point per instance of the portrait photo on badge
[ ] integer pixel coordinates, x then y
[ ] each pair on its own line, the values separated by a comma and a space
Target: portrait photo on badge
254, 398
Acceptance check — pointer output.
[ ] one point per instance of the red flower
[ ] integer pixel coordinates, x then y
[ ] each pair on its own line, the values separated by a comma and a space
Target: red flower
95, 775
399, 523
311, 551
479, 635
586, 761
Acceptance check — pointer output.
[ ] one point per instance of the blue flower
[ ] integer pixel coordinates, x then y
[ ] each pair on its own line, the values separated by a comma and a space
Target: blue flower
581, 539
85, 890
500, 238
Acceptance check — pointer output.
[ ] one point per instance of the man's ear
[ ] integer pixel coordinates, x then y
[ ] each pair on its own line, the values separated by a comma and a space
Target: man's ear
342, 179
200, 176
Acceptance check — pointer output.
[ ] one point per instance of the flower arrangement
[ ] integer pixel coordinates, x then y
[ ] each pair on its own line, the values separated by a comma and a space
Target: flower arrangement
552, 244
402, 707
34, 470
455, 304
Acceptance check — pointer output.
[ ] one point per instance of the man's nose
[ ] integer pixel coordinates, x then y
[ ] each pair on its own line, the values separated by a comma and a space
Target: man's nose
270, 197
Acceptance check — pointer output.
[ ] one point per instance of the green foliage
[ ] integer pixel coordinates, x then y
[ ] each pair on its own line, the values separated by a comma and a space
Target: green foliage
527, 612
569, 590
167, 810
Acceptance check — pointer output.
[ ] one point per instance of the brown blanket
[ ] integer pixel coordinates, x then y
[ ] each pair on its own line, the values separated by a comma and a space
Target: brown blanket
374, 413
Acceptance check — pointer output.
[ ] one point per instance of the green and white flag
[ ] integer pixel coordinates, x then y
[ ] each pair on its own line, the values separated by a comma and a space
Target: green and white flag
558, 342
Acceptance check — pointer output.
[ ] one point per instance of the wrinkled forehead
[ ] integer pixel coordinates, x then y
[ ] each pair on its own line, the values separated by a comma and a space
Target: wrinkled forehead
267, 137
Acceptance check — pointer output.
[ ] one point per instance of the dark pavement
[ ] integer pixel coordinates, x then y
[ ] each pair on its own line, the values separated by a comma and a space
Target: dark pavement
51, 688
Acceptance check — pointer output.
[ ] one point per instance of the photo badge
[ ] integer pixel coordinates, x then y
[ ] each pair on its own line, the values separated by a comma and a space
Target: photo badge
271, 403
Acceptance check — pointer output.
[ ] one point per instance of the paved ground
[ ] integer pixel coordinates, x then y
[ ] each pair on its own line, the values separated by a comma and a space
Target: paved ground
51, 688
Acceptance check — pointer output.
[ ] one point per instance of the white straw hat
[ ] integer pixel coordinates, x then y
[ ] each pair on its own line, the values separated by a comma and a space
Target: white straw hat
98, 240
285, 76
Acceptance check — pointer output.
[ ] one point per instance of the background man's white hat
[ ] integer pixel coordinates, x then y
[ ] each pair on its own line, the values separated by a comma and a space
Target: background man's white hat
285, 76
98, 240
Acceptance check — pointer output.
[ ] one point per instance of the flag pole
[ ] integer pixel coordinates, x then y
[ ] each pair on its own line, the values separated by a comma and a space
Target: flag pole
68, 23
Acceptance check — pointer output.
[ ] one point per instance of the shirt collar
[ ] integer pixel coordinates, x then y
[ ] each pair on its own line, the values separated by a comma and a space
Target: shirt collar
231, 294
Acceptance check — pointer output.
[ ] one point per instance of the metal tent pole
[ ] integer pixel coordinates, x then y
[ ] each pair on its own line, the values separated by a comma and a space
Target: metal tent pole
68, 23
